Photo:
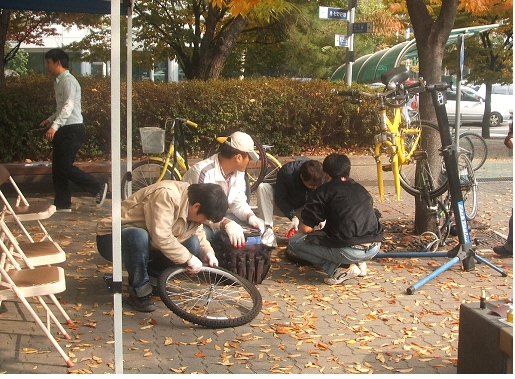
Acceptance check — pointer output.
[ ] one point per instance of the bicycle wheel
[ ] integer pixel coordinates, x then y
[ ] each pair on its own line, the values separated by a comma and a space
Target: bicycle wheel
468, 184
256, 170
144, 174
215, 297
272, 168
428, 172
475, 147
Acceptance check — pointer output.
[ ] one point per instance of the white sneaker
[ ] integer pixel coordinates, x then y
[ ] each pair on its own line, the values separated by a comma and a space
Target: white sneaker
363, 268
268, 238
342, 274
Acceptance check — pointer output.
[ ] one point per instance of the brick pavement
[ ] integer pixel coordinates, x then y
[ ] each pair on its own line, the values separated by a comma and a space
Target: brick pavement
366, 325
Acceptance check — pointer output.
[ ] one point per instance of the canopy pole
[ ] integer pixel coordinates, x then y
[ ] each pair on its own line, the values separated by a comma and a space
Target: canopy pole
116, 186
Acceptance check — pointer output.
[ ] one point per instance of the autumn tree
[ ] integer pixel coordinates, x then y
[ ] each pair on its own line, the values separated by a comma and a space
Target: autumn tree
17, 27
300, 44
199, 34
490, 55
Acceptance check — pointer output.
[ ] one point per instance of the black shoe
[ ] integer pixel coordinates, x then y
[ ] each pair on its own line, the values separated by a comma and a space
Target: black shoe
502, 251
142, 304
101, 195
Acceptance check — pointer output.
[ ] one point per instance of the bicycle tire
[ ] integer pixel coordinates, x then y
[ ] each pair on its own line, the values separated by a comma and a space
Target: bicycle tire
256, 170
410, 175
145, 173
228, 300
475, 147
468, 185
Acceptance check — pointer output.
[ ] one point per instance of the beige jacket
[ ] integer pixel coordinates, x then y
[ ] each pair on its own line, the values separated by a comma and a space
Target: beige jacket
161, 209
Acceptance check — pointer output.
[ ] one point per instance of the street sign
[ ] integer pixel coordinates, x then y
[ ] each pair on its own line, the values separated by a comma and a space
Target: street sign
333, 13
342, 41
362, 27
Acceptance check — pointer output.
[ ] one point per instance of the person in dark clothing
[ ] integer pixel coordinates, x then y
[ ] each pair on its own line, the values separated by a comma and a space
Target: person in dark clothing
295, 182
352, 233
506, 250
66, 132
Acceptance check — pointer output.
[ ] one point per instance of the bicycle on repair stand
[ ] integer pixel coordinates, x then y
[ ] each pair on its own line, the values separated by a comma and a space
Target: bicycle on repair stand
401, 143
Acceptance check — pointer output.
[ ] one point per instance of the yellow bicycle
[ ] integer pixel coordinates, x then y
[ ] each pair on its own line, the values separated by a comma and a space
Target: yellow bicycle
402, 142
169, 166
172, 165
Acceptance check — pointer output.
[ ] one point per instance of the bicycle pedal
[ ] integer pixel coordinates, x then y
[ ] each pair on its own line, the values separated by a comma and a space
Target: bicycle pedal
387, 167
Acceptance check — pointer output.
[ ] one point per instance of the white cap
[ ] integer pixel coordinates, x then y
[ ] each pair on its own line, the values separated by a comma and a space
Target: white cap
242, 142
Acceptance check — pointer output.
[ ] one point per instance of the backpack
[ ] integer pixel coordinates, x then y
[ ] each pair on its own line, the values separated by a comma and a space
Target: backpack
251, 261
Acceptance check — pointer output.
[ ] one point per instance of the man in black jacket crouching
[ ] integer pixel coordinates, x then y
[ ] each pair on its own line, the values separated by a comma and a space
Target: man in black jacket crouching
352, 233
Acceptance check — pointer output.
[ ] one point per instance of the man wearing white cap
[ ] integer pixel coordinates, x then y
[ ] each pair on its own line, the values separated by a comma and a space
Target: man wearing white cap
227, 169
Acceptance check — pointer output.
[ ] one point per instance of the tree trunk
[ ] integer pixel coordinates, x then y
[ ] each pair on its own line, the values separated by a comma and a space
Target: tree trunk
485, 125
5, 16
215, 49
431, 36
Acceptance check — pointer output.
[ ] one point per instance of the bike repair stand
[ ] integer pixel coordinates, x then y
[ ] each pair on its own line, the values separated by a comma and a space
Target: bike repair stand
466, 250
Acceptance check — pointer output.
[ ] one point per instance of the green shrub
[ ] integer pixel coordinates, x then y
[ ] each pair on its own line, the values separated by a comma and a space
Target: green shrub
294, 116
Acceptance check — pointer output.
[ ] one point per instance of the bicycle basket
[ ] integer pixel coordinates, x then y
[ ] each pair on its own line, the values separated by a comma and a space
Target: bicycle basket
152, 139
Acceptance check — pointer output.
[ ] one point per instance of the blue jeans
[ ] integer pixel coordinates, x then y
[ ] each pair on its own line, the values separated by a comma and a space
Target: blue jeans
328, 258
136, 255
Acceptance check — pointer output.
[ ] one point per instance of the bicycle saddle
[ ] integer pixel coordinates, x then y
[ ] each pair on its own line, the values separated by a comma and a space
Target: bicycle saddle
395, 75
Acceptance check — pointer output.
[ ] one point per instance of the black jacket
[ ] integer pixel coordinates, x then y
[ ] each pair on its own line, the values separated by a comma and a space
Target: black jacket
289, 191
348, 208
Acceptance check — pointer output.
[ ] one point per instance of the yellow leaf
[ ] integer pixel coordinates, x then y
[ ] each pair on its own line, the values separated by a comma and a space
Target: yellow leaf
404, 370
168, 341
147, 354
179, 370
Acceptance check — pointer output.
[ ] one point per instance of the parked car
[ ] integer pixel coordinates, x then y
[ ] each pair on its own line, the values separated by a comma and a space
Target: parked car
472, 108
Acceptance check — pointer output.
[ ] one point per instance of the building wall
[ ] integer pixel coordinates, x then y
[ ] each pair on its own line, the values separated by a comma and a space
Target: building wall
163, 71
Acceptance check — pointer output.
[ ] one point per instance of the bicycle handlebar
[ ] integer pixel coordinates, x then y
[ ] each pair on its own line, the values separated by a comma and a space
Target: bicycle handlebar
416, 87
189, 123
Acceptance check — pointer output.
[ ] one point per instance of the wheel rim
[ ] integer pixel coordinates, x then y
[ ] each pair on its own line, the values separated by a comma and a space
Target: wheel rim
213, 297
495, 120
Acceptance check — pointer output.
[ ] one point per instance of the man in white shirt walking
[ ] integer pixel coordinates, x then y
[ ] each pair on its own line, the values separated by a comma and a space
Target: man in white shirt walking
66, 133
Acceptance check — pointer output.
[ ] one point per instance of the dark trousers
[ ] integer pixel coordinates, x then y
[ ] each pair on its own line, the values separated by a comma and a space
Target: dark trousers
66, 143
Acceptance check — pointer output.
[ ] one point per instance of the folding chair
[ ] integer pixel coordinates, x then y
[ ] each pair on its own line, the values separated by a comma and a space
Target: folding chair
33, 254
18, 284
22, 210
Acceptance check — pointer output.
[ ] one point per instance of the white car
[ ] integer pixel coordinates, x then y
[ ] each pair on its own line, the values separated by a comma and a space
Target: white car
472, 108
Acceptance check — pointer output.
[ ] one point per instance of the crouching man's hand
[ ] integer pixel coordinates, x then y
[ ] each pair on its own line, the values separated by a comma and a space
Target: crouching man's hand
211, 260
235, 233
194, 265
293, 227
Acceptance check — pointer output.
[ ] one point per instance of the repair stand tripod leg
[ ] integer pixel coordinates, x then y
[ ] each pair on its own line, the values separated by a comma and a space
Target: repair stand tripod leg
464, 253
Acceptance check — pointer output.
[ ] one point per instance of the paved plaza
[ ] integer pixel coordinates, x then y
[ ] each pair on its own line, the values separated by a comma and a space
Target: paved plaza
365, 325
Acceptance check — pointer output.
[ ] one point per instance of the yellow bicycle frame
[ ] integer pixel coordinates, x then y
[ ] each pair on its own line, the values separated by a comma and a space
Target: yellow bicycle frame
392, 140
166, 163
